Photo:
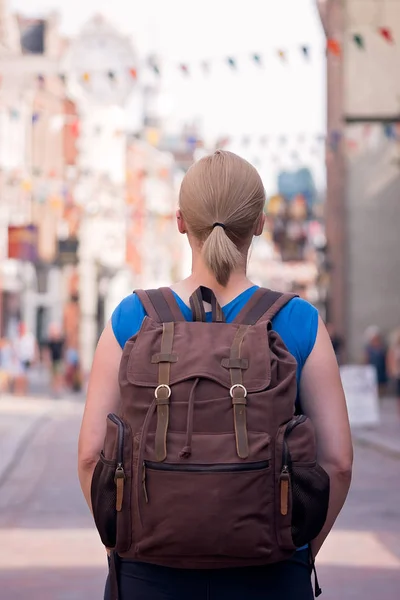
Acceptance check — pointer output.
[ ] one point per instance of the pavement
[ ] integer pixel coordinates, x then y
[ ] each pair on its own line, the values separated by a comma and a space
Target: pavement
384, 437
50, 550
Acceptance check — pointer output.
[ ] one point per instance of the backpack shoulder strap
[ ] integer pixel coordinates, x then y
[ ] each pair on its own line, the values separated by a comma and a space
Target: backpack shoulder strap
160, 305
263, 305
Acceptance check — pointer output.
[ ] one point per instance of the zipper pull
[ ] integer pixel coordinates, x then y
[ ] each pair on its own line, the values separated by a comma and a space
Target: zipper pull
284, 481
119, 479
144, 483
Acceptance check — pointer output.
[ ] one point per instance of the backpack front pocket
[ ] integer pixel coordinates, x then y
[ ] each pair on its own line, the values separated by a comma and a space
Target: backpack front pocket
111, 487
199, 508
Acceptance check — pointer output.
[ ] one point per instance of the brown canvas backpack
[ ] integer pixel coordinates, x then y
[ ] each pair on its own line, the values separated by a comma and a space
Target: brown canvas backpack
206, 464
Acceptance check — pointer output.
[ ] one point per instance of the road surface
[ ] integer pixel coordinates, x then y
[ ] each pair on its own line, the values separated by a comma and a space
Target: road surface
49, 549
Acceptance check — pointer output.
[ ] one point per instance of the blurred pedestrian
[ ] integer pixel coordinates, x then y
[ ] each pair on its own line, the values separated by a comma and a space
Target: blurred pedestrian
393, 362
73, 377
6, 359
375, 354
26, 352
55, 348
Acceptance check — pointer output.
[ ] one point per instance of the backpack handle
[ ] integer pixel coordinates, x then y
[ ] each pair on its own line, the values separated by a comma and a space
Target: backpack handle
201, 295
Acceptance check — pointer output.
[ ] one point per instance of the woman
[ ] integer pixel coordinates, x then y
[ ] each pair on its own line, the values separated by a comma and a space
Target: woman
226, 190
375, 354
393, 363
55, 350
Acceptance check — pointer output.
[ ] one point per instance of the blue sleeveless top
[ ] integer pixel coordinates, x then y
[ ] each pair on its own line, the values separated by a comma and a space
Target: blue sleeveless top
296, 323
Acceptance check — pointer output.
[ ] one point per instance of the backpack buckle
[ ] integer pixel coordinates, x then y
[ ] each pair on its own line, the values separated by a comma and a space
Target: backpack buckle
238, 386
160, 387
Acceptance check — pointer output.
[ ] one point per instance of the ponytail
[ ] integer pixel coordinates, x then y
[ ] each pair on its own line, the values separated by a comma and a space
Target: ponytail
221, 256
221, 200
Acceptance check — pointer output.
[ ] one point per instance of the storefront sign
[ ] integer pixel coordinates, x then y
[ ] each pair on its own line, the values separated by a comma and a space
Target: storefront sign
68, 251
361, 391
23, 243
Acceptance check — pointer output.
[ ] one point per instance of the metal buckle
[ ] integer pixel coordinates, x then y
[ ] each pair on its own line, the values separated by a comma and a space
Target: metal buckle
162, 385
238, 385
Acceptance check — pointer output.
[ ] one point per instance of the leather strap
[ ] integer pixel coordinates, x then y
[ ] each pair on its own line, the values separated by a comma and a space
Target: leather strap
147, 305
197, 306
172, 303
160, 305
163, 391
204, 294
263, 305
238, 394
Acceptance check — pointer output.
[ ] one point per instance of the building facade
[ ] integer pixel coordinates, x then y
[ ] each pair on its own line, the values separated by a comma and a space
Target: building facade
363, 173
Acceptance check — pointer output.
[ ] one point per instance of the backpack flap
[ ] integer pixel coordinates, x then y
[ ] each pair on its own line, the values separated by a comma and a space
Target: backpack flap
201, 350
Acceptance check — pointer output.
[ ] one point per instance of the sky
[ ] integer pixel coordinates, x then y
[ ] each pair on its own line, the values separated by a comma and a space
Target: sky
281, 98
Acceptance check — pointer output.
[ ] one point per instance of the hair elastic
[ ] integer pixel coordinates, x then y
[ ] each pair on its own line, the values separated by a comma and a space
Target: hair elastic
219, 225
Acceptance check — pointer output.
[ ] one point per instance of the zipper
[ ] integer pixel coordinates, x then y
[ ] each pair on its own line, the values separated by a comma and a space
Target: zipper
224, 468
292, 424
119, 476
285, 473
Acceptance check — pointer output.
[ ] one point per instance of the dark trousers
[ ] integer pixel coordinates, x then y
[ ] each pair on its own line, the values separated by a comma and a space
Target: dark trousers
288, 580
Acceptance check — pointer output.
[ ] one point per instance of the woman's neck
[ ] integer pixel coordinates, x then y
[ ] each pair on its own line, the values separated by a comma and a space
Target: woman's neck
238, 283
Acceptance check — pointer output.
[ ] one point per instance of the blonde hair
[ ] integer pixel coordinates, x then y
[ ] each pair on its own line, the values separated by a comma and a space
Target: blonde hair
226, 189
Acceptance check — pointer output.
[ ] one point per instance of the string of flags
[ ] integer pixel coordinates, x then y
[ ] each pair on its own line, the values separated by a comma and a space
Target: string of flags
334, 47
357, 137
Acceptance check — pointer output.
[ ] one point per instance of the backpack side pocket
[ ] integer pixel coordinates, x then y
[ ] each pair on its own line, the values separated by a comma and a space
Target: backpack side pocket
111, 487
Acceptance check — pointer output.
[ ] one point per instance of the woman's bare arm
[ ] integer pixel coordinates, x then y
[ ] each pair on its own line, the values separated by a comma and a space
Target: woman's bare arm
102, 398
323, 400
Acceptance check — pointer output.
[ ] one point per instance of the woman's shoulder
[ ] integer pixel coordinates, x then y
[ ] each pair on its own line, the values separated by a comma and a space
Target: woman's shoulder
297, 324
127, 318
298, 309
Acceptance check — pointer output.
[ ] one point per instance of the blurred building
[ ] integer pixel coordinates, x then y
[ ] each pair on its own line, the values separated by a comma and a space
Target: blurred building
363, 167
36, 148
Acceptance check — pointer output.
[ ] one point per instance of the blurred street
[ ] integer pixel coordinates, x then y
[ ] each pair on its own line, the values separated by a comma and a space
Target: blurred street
49, 549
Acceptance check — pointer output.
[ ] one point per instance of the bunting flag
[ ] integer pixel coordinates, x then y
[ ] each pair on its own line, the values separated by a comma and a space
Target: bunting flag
334, 140
387, 34
35, 118
86, 77
359, 41
257, 59
389, 130
334, 47
184, 68
133, 73
282, 54
41, 80
111, 76
231, 62
306, 51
